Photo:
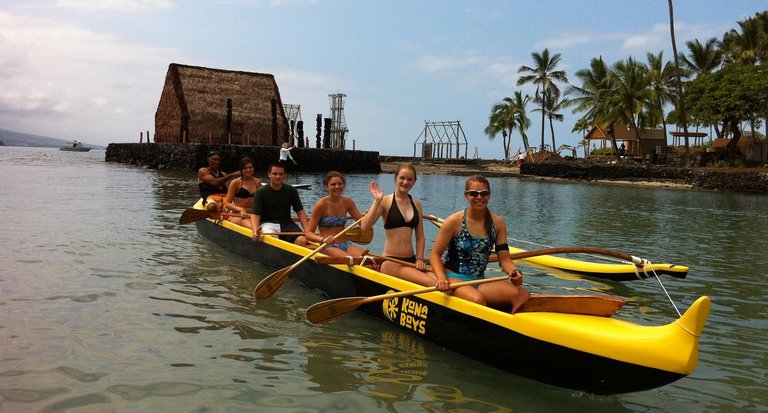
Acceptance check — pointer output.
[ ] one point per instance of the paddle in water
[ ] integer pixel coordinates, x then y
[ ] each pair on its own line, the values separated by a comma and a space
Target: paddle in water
273, 281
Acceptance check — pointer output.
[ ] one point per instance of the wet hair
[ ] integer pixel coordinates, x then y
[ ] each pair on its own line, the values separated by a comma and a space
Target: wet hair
332, 174
243, 163
488, 217
408, 166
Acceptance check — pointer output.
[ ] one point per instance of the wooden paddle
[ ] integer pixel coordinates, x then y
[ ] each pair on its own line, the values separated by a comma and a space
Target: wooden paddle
191, 215
273, 281
586, 304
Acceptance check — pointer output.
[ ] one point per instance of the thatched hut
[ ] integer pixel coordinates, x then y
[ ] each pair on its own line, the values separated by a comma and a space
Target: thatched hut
204, 105
651, 140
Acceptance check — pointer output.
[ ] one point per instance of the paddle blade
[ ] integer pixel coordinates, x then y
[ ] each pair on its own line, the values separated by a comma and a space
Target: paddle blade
596, 305
359, 236
272, 283
192, 215
328, 310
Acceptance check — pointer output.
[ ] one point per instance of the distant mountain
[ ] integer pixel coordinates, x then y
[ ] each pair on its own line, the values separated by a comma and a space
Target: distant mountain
11, 138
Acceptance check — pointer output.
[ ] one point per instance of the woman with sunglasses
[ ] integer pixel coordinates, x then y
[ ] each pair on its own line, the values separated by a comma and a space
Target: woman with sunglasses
467, 238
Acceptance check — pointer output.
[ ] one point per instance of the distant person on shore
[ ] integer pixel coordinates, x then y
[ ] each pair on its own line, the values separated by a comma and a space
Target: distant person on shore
329, 217
272, 205
467, 238
402, 222
285, 154
240, 194
213, 182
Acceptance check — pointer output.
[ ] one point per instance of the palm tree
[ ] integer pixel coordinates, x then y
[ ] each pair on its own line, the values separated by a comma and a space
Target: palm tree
703, 58
506, 117
750, 46
680, 94
661, 76
630, 95
552, 108
544, 75
592, 96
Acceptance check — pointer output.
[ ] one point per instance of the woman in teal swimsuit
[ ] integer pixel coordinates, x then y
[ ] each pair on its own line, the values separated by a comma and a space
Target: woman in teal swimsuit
464, 244
329, 217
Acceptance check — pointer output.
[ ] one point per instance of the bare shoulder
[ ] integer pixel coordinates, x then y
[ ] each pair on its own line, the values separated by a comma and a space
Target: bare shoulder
499, 221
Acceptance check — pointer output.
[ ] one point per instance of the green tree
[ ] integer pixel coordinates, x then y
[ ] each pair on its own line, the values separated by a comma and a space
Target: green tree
702, 58
749, 45
729, 96
661, 76
543, 74
506, 117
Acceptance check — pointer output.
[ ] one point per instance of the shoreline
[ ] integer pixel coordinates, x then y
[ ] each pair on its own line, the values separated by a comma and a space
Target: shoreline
734, 180
501, 169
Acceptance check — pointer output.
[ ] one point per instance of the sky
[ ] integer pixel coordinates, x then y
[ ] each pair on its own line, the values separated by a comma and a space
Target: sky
93, 70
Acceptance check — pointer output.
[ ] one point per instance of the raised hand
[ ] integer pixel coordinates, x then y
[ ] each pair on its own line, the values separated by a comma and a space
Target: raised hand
378, 193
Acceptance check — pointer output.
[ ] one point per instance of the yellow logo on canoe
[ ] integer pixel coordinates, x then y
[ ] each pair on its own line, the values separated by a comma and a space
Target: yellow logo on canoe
407, 313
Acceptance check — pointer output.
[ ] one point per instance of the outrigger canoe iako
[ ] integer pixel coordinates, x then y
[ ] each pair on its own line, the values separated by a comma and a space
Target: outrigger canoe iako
601, 355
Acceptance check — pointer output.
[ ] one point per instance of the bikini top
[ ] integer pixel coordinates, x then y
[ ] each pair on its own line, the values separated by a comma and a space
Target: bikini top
333, 221
243, 192
395, 218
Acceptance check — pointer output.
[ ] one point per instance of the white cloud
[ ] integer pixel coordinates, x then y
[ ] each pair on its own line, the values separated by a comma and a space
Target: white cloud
117, 5
469, 68
61, 74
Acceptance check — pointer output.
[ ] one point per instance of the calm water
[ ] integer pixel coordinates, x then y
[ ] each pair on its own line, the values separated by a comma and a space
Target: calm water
108, 305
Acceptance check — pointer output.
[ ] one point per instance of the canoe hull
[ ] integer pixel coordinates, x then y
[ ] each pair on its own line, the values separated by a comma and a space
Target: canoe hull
478, 332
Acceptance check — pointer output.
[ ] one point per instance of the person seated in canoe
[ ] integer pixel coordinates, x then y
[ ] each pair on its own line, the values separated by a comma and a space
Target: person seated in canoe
464, 244
271, 210
213, 182
402, 222
329, 217
240, 193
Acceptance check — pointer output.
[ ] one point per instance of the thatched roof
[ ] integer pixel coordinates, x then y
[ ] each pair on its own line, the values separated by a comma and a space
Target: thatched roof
194, 100
623, 133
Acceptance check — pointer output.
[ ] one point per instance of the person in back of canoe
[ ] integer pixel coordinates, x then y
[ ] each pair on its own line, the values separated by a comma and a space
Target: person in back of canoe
402, 221
239, 198
467, 238
329, 217
213, 182
271, 211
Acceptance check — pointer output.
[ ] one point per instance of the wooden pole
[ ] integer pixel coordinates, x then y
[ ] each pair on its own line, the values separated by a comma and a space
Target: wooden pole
147, 136
141, 137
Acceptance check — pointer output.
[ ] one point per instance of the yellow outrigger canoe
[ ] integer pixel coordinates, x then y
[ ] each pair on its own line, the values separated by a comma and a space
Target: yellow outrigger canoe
601, 355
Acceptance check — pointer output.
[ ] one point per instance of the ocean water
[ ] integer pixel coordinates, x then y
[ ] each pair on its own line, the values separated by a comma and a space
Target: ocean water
109, 305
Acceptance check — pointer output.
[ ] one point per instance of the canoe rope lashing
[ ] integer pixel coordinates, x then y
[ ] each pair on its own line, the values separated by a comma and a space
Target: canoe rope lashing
647, 263
364, 259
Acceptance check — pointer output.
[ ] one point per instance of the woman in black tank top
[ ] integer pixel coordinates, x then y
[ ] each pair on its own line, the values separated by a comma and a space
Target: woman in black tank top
240, 194
402, 223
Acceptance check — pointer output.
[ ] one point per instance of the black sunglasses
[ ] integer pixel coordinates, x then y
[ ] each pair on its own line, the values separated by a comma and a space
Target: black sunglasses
474, 194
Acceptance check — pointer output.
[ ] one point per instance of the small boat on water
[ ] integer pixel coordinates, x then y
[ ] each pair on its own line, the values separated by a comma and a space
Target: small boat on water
601, 355
75, 147
615, 271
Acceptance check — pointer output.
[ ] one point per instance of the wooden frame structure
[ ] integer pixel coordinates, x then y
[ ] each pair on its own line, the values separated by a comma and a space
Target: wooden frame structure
439, 139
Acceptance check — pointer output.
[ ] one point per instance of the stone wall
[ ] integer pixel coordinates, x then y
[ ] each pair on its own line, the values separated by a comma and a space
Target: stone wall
699, 178
193, 156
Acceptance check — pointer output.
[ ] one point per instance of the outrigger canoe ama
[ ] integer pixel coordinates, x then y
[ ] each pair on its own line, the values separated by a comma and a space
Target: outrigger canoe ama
609, 271
600, 355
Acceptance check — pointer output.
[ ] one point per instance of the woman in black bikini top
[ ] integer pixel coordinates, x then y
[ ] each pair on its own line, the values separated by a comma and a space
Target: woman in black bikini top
239, 198
400, 232
395, 218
